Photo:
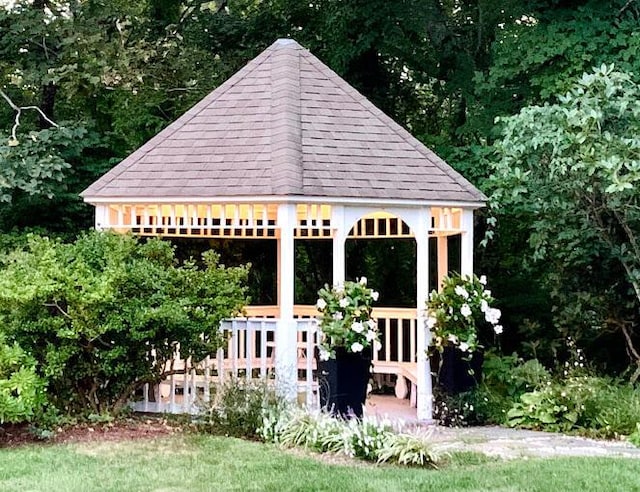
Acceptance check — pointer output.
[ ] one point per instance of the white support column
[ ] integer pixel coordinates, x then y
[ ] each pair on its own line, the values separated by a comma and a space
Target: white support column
466, 253
443, 259
286, 336
101, 217
339, 239
425, 386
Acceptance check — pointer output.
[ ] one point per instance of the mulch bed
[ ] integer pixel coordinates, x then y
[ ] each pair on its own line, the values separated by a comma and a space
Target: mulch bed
137, 427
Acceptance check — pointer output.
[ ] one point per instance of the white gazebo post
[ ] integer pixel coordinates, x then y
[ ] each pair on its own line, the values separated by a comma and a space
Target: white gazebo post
339, 240
102, 217
424, 386
286, 336
466, 250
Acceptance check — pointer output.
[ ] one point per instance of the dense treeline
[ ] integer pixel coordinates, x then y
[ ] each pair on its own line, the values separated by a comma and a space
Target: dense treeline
109, 74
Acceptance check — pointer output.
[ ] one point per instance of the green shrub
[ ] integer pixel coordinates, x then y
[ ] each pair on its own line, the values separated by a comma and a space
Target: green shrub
504, 379
238, 408
103, 315
21, 390
589, 404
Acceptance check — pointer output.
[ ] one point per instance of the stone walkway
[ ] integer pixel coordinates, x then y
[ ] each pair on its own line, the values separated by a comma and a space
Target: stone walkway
498, 441
517, 443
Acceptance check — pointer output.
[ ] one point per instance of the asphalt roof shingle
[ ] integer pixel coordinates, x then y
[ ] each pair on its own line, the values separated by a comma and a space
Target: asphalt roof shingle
284, 125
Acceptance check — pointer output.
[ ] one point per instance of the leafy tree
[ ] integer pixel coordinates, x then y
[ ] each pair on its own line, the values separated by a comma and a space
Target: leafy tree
569, 39
103, 316
570, 172
102, 77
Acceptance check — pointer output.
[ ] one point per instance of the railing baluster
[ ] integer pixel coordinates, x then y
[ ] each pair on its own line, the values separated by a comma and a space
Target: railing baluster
234, 349
263, 349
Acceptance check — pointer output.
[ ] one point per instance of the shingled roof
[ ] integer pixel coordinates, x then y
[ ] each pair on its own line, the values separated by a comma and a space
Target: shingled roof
284, 125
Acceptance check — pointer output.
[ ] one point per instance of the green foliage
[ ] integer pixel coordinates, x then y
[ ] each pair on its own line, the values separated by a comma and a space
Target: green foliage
407, 449
237, 409
21, 389
37, 162
634, 437
593, 405
504, 380
568, 41
570, 171
103, 315
367, 439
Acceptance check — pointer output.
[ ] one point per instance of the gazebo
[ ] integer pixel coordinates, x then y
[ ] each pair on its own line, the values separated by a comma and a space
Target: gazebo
287, 150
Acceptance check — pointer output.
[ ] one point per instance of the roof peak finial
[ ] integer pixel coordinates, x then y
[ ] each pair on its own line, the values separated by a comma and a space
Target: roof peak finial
285, 41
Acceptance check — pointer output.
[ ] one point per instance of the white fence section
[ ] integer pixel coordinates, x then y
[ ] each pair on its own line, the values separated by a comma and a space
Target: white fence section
249, 354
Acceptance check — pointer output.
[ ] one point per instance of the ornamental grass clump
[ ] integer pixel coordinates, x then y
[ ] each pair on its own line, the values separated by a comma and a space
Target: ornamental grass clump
345, 318
368, 439
458, 311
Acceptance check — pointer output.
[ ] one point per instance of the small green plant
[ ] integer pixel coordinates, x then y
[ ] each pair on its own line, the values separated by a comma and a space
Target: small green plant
407, 449
238, 408
634, 437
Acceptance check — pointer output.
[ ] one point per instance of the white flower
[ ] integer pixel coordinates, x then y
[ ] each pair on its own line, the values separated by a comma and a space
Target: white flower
324, 355
321, 304
339, 288
431, 322
483, 279
338, 315
465, 310
356, 347
497, 329
377, 345
344, 302
363, 280
487, 293
370, 335
484, 305
462, 292
492, 315
452, 338
357, 327
464, 346
371, 324
375, 294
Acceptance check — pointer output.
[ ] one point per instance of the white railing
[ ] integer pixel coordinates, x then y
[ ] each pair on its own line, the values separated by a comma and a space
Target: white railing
249, 354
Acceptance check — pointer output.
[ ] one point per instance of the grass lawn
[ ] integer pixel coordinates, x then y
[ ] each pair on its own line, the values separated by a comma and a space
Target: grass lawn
199, 463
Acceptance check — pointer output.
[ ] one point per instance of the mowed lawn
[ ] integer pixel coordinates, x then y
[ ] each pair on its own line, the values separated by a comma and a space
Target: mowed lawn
202, 463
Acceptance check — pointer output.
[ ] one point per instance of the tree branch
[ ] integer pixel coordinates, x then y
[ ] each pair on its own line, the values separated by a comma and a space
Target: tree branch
57, 306
18, 110
625, 7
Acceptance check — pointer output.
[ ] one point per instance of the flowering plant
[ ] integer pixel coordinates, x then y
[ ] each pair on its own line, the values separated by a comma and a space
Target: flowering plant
345, 319
456, 313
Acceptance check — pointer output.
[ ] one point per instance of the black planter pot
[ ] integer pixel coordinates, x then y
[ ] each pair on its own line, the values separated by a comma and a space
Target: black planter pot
342, 382
458, 372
